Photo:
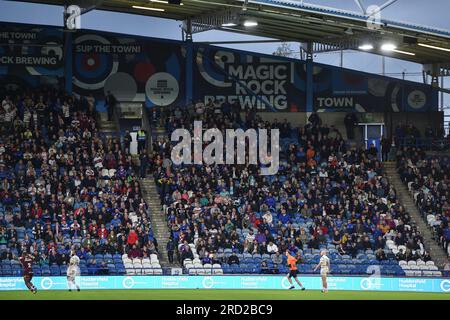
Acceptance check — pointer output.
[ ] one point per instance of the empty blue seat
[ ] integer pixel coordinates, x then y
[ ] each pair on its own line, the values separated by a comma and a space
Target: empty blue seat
6, 263
54, 270
120, 271
227, 269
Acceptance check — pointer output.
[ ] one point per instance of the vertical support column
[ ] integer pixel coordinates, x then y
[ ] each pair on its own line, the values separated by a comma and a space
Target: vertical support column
442, 94
189, 61
68, 65
309, 78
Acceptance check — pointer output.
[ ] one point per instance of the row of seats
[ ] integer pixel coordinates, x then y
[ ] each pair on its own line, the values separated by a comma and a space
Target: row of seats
144, 271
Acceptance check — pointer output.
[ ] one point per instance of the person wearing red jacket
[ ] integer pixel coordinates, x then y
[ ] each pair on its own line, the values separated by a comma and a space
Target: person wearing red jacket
103, 232
132, 237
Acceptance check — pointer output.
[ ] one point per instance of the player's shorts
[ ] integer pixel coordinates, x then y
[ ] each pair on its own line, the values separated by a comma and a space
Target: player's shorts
293, 273
324, 271
28, 276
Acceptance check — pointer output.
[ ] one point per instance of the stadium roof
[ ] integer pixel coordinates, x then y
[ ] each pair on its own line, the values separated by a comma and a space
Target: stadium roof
329, 29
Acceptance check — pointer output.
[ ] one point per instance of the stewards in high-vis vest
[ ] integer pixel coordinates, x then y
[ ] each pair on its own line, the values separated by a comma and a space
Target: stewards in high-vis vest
141, 137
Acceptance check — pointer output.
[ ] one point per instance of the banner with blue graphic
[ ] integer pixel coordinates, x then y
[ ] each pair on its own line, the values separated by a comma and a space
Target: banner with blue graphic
30, 56
31, 51
131, 68
154, 71
255, 81
438, 285
343, 90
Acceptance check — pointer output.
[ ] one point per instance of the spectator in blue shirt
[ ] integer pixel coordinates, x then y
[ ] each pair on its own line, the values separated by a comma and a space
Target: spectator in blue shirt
283, 216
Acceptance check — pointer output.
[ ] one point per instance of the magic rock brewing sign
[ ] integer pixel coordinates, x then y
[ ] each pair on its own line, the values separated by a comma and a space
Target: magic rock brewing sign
251, 80
259, 86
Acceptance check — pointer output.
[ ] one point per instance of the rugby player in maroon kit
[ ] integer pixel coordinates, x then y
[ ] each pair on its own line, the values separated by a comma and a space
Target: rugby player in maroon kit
27, 261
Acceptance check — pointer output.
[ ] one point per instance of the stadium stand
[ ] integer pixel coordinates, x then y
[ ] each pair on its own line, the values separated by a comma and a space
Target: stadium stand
325, 195
427, 178
67, 189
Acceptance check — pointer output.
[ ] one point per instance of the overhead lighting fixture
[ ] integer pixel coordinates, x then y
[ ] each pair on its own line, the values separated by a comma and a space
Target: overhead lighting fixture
162, 1
404, 52
147, 8
365, 47
388, 47
250, 23
229, 24
433, 47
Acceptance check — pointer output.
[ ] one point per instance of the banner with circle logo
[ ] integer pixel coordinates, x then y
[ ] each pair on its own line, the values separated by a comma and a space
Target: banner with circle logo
275, 282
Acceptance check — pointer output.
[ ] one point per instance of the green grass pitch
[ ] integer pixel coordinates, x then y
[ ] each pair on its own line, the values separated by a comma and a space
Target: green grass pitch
213, 294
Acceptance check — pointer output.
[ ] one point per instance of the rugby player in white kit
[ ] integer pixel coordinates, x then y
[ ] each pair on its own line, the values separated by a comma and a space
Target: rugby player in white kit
73, 271
324, 265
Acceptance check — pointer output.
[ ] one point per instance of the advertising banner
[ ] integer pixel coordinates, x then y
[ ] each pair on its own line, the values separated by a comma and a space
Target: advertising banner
26, 51
153, 71
254, 81
439, 285
131, 68
342, 90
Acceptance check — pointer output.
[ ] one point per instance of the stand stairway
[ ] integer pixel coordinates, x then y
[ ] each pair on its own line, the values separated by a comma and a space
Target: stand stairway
158, 219
437, 253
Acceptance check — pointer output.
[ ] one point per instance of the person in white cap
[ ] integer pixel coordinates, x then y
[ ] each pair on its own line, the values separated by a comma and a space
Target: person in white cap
324, 265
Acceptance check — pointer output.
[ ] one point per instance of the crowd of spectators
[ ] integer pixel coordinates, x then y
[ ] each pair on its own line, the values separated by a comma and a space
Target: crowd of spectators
408, 135
340, 193
66, 189
427, 177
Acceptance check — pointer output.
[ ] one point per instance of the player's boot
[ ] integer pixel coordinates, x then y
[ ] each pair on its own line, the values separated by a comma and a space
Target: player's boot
78, 289
34, 290
292, 287
70, 290
303, 289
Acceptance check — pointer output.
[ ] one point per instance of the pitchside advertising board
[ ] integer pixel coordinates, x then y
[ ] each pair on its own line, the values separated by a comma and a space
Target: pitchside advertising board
438, 285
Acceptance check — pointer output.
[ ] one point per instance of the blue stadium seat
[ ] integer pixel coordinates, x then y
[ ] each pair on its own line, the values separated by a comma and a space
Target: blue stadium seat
63, 269
54, 270
227, 269
121, 271
5, 263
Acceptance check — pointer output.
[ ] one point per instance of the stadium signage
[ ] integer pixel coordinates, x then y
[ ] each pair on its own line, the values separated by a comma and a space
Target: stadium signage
30, 60
335, 102
213, 153
108, 48
261, 86
276, 282
266, 83
14, 35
